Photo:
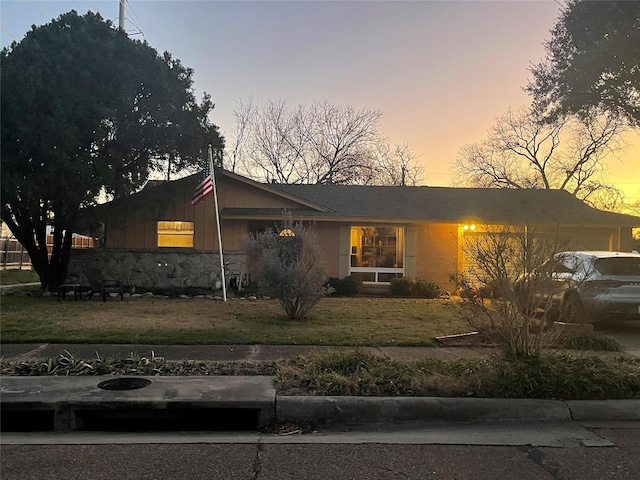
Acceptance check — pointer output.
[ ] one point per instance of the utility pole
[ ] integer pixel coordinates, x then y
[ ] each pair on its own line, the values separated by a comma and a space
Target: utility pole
123, 9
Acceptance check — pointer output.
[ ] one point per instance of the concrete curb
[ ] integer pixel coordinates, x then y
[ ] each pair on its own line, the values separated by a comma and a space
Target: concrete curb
358, 410
68, 397
624, 410
398, 409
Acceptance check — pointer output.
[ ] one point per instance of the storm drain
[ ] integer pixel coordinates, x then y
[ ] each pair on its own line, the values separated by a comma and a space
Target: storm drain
175, 419
27, 421
134, 420
136, 404
124, 383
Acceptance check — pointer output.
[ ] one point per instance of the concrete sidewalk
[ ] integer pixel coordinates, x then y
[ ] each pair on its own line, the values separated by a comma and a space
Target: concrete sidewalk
26, 351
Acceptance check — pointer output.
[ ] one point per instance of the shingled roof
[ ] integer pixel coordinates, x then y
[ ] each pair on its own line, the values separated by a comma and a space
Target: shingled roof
354, 203
442, 204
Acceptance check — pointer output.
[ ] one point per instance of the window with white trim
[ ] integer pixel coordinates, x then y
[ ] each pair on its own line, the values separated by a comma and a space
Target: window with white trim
377, 253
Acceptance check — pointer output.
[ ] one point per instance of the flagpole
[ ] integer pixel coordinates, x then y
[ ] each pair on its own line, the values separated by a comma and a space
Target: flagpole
215, 202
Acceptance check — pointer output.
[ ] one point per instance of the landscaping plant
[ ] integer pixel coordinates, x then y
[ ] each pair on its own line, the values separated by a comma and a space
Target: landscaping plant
344, 287
506, 296
289, 266
414, 287
362, 373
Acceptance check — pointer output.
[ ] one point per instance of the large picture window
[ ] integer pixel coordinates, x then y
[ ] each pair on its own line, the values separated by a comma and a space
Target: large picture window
175, 234
377, 253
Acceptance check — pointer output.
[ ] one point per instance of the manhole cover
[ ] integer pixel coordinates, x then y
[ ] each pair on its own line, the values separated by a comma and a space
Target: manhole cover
124, 383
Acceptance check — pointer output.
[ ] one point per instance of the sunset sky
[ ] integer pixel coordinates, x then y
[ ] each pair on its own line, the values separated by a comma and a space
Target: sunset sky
440, 71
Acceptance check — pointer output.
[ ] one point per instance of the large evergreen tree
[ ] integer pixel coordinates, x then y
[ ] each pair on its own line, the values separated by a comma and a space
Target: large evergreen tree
593, 61
85, 111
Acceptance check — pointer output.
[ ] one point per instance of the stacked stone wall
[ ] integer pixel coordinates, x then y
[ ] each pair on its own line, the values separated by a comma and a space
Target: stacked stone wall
167, 270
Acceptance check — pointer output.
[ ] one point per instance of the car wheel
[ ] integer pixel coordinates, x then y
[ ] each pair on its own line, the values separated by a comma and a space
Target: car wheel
572, 310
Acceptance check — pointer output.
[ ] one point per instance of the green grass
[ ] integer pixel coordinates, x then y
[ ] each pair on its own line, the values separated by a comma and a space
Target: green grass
592, 341
563, 376
352, 321
13, 277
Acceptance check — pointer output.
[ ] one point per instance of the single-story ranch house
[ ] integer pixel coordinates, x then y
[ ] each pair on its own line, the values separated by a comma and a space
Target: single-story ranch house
157, 239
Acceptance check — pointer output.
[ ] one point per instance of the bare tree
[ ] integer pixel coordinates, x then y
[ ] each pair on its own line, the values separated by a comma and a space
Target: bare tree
276, 146
237, 143
523, 152
317, 143
397, 166
341, 139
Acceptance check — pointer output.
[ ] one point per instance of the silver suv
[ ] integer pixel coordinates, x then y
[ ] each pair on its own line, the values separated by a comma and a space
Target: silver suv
588, 286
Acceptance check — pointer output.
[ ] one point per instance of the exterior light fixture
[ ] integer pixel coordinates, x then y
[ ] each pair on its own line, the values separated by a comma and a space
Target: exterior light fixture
469, 228
287, 232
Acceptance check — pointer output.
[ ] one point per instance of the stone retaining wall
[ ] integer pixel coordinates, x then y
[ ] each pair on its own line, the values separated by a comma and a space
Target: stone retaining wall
167, 269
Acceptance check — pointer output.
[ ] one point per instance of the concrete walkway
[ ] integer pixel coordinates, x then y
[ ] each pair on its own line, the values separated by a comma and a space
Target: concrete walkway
222, 352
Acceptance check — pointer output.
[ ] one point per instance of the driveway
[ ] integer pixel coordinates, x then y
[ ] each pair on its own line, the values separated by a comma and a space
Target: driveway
625, 332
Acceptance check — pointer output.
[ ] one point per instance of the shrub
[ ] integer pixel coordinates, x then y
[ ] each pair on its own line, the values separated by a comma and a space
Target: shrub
591, 341
351, 373
401, 287
344, 287
289, 267
410, 287
422, 288
504, 295
565, 377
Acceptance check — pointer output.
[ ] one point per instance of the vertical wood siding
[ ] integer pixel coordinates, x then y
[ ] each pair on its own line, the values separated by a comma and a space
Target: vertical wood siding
140, 230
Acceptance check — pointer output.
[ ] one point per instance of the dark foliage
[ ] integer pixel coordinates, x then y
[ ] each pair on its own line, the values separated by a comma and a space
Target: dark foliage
88, 111
592, 61
344, 287
414, 287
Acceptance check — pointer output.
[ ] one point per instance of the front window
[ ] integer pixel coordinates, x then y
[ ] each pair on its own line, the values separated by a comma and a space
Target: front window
377, 253
175, 234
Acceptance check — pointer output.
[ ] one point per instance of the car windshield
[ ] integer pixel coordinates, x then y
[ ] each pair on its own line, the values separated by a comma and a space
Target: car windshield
618, 266
556, 265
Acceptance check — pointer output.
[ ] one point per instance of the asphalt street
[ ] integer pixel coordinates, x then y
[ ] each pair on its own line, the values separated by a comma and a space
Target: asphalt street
604, 451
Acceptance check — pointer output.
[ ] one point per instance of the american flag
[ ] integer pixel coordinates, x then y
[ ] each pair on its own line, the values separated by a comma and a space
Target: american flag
204, 188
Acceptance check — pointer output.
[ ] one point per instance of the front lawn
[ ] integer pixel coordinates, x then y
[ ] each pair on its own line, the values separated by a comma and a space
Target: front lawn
15, 276
335, 321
